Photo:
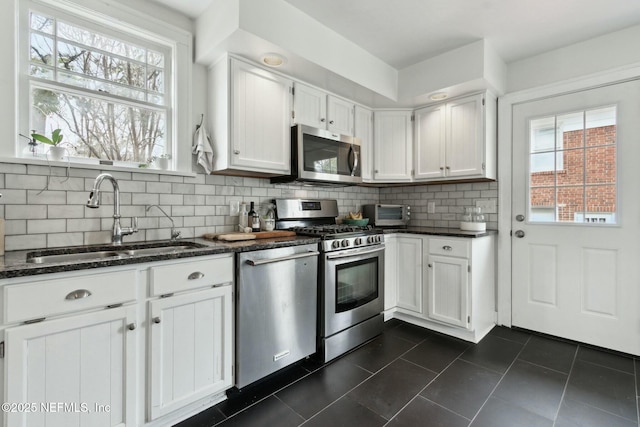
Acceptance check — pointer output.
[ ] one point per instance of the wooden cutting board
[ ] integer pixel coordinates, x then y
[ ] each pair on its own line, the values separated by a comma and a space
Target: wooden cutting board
249, 236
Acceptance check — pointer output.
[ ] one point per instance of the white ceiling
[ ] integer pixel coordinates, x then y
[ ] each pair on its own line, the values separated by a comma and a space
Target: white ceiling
404, 32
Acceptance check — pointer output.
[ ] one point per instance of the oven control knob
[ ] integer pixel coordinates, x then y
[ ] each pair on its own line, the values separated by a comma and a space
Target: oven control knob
335, 244
370, 239
358, 241
378, 239
345, 243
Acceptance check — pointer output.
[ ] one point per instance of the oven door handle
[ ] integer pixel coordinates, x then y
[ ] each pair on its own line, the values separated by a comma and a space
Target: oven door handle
257, 262
352, 254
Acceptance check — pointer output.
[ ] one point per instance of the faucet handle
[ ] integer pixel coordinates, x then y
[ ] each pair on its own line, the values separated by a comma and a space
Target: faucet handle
135, 224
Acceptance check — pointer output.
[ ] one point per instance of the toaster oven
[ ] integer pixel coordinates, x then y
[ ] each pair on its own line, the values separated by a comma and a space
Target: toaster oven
382, 215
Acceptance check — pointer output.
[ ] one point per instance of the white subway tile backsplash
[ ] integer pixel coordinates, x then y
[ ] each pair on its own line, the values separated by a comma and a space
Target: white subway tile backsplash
197, 204
25, 241
36, 197
25, 212
71, 211
64, 239
15, 226
39, 226
33, 182
13, 197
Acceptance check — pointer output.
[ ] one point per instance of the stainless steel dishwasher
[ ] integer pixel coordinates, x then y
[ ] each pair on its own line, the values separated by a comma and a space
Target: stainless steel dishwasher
276, 305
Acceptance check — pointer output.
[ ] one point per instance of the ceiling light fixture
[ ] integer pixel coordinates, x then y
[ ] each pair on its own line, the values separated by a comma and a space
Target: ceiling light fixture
273, 59
438, 96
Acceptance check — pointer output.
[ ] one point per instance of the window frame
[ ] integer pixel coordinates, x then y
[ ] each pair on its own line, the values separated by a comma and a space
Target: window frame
122, 22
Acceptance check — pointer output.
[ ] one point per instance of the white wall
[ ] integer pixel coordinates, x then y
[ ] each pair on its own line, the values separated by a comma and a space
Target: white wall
612, 51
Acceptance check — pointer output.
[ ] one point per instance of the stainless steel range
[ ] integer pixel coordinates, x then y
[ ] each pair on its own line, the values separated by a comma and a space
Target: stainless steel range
350, 273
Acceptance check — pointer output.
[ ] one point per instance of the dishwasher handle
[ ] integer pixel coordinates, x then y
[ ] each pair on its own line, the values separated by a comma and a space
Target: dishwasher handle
258, 262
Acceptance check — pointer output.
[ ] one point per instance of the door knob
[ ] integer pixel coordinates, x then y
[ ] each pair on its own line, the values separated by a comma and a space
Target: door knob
520, 218
519, 234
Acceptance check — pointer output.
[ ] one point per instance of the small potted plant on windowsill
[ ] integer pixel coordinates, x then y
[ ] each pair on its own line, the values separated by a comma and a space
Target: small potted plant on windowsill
161, 162
55, 151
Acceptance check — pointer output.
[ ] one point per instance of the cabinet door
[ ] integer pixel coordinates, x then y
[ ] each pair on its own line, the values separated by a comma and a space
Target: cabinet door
363, 125
310, 106
390, 272
393, 146
340, 116
448, 295
410, 255
191, 348
465, 137
86, 362
260, 124
430, 142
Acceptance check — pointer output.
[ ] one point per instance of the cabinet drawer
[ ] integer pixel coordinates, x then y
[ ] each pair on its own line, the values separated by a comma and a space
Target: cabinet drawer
62, 295
170, 278
450, 247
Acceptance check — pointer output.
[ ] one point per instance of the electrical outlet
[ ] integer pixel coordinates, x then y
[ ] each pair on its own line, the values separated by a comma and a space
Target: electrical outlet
431, 207
234, 207
487, 206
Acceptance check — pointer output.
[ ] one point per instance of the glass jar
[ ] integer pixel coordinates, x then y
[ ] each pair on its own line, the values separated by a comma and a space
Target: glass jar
478, 216
468, 215
269, 219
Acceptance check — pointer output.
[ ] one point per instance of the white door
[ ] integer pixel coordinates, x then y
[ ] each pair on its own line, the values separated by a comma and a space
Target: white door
448, 298
80, 369
465, 136
261, 111
430, 142
576, 216
393, 142
310, 106
410, 273
340, 114
191, 348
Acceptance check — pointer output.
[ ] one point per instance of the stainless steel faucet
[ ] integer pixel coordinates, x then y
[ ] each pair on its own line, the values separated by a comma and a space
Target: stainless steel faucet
175, 235
94, 202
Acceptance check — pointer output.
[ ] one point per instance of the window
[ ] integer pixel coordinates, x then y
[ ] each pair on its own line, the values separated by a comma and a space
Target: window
579, 186
109, 91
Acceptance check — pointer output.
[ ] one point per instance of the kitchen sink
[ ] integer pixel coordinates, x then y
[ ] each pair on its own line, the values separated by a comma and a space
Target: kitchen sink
100, 253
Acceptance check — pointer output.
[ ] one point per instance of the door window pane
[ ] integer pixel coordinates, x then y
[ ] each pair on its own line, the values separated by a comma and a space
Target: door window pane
572, 167
356, 284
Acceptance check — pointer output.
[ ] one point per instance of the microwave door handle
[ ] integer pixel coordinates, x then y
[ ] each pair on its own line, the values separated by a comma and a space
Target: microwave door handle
355, 160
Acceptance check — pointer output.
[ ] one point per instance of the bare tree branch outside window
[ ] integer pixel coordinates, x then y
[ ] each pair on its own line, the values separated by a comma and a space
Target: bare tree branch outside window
107, 95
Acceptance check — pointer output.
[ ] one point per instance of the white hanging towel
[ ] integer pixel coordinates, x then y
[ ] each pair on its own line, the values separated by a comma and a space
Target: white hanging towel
202, 148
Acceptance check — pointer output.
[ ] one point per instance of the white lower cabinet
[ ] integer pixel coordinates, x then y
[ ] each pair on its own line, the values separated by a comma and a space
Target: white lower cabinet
190, 348
448, 290
139, 345
446, 284
409, 273
76, 371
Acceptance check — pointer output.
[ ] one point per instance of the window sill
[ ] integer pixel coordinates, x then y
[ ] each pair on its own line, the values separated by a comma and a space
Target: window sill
74, 165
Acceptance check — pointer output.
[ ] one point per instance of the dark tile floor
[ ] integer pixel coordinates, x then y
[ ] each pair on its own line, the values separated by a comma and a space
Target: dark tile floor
410, 376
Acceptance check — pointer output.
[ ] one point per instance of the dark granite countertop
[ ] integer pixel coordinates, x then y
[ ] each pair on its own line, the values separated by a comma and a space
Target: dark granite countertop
13, 263
437, 231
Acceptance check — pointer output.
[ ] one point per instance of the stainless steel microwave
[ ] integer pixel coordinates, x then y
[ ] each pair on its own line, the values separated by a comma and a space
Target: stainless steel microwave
387, 215
318, 155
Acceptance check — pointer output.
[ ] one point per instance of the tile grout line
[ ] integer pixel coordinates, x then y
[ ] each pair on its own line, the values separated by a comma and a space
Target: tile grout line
364, 381
500, 381
566, 385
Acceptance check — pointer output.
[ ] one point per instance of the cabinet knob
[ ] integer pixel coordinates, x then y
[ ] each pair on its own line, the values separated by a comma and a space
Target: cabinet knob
156, 320
330, 122
447, 248
322, 120
429, 265
441, 168
376, 171
447, 167
132, 326
236, 151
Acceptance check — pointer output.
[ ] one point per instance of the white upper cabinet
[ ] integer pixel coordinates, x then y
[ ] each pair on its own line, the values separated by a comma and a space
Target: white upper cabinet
250, 109
392, 146
316, 108
363, 126
456, 139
